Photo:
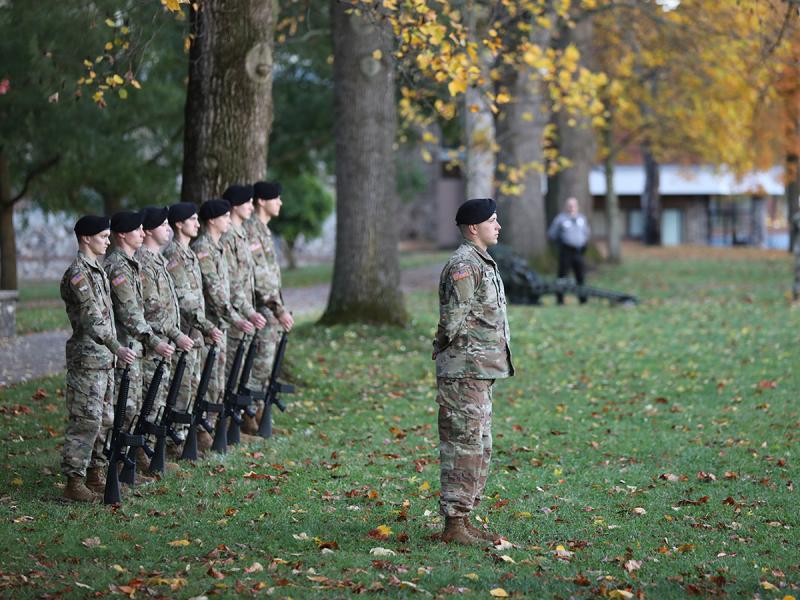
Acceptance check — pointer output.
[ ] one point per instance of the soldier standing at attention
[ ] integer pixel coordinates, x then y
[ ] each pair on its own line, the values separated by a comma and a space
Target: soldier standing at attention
240, 265
124, 273
91, 352
269, 302
471, 350
184, 267
570, 230
161, 309
216, 220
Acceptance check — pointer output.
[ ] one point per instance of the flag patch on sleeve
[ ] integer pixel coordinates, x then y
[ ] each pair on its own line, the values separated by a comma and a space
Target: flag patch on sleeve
255, 246
76, 279
460, 274
118, 280
203, 254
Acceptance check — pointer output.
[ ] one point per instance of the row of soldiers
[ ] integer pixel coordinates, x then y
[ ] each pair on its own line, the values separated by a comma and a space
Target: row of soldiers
216, 281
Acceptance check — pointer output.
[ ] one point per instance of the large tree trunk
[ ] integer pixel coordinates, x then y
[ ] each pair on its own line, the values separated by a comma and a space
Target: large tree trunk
229, 99
520, 134
366, 272
792, 186
651, 199
8, 240
575, 139
613, 225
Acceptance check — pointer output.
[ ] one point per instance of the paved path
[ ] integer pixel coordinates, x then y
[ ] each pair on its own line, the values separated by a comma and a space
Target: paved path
37, 355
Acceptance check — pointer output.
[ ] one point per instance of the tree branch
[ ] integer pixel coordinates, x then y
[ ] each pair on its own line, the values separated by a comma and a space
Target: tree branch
33, 174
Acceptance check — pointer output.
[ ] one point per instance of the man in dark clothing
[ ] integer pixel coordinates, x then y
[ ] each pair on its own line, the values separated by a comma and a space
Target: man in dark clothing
570, 230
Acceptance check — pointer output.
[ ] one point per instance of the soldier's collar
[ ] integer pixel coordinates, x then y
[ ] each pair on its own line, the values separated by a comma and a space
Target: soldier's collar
92, 262
482, 253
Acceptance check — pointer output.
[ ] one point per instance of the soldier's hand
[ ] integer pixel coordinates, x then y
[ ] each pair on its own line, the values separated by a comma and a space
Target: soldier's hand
164, 349
216, 335
286, 320
185, 343
126, 355
258, 320
245, 326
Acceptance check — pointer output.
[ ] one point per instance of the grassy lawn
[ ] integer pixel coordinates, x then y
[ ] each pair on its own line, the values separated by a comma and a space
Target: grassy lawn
646, 452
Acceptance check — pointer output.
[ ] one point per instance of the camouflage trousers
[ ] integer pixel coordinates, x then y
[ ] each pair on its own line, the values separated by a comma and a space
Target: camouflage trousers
465, 442
796, 286
191, 376
266, 344
216, 385
90, 410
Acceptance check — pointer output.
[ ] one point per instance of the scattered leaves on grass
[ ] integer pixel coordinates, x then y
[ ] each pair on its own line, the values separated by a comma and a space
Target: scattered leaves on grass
381, 532
91, 542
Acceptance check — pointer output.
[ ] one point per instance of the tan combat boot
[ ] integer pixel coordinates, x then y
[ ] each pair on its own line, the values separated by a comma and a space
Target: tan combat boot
455, 532
477, 532
204, 440
95, 480
76, 491
249, 425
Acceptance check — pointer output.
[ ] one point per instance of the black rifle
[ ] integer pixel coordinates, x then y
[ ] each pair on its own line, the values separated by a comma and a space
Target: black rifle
201, 408
167, 417
230, 402
117, 440
142, 427
274, 388
245, 397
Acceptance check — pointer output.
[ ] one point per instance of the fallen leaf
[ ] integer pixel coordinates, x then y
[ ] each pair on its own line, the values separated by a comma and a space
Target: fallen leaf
499, 593
378, 551
91, 542
620, 594
179, 543
256, 567
632, 565
639, 511
381, 532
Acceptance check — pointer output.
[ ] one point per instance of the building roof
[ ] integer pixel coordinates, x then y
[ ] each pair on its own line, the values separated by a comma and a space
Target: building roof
695, 180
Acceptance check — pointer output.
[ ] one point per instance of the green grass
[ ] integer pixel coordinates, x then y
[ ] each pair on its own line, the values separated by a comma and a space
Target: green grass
599, 442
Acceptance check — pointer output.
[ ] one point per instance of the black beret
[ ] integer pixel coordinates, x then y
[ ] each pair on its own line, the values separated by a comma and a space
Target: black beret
92, 225
154, 216
238, 194
475, 211
267, 190
181, 211
126, 220
211, 209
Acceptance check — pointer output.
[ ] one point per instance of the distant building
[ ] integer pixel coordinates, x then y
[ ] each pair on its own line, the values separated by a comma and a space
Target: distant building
699, 205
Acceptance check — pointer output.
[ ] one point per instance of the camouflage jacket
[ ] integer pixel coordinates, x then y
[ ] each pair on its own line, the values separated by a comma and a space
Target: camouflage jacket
267, 271
86, 294
125, 276
216, 281
472, 339
240, 269
160, 300
184, 267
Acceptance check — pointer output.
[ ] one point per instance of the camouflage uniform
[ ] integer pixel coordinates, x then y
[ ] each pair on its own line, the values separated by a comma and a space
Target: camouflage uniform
90, 365
217, 295
184, 267
269, 301
162, 313
124, 273
471, 351
796, 250
240, 268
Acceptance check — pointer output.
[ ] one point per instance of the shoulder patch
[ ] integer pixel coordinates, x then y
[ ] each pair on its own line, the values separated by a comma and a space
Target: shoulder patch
76, 279
118, 280
202, 254
460, 274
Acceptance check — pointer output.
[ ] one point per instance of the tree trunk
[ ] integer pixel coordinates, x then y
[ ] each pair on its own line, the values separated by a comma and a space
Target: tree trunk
792, 195
613, 225
575, 139
651, 200
479, 130
520, 134
229, 97
366, 271
8, 240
